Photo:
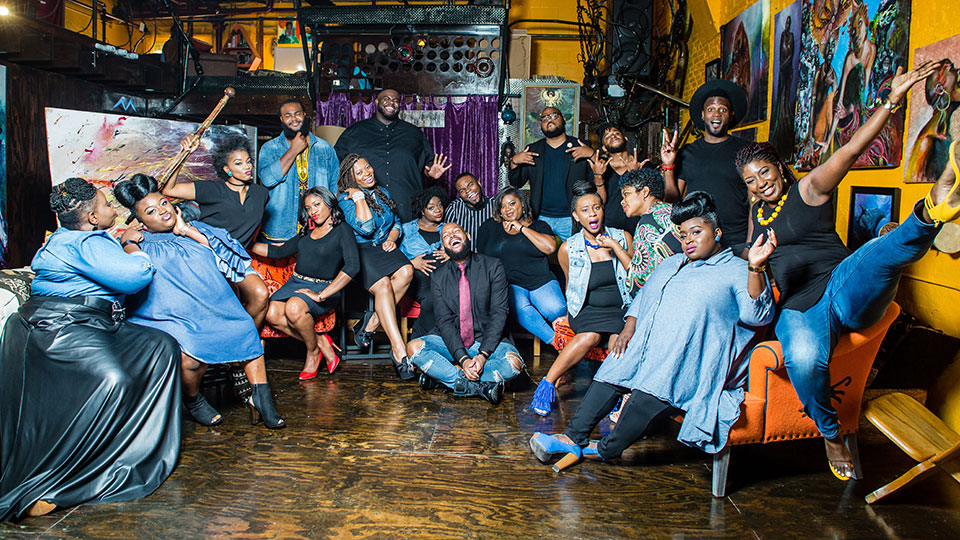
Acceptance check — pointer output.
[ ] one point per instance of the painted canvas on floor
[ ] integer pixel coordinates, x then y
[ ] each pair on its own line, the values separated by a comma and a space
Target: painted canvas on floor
108, 148
3, 166
745, 57
850, 53
784, 78
933, 123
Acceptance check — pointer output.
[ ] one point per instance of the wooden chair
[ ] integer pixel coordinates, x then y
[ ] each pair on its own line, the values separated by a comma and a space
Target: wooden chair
919, 433
772, 412
409, 309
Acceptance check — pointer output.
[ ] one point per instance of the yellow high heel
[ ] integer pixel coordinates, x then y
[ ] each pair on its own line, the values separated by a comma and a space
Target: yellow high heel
942, 213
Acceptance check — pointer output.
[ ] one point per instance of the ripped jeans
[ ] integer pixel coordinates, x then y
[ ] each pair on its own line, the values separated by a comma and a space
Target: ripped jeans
435, 360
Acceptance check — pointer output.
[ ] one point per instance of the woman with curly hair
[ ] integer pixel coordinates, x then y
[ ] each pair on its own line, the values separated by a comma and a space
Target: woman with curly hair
236, 204
384, 270
191, 299
89, 402
422, 245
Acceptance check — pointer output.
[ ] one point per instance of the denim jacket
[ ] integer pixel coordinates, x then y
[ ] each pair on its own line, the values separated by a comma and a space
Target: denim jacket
280, 217
374, 230
579, 270
413, 243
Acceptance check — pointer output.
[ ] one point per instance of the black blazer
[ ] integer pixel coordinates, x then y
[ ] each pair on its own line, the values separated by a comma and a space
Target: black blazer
488, 299
574, 171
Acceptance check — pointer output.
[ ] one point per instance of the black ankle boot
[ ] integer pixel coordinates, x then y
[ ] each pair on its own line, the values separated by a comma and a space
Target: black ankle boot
490, 391
427, 382
261, 405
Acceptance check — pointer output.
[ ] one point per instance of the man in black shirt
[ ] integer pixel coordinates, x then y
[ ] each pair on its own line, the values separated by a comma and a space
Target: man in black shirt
471, 208
552, 165
707, 164
398, 151
471, 304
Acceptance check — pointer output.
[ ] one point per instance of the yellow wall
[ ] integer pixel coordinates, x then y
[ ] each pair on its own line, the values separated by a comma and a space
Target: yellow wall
550, 56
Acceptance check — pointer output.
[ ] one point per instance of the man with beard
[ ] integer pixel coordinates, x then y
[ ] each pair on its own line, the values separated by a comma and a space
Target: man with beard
398, 151
707, 164
471, 304
288, 166
609, 169
552, 165
471, 208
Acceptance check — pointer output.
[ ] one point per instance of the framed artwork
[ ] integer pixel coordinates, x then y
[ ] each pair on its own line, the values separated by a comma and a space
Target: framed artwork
537, 97
745, 57
711, 70
288, 33
870, 209
933, 122
850, 52
786, 65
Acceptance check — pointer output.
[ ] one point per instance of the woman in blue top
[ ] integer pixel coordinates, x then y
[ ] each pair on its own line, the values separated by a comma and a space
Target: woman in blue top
190, 298
384, 270
421, 244
683, 346
89, 403
595, 260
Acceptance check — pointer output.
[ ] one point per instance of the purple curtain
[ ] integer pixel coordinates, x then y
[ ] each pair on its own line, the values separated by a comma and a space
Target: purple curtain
468, 138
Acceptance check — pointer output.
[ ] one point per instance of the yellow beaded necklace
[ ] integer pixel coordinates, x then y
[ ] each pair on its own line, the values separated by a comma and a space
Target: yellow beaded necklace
776, 211
303, 162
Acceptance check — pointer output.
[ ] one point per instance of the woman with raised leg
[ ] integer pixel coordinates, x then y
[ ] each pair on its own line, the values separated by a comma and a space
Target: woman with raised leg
190, 298
327, 260
824, 289
595, 261
384, 270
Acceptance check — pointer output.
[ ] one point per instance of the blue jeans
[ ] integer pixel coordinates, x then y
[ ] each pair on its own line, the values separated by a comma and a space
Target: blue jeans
858, 293
537, 309
435, 360
562, 226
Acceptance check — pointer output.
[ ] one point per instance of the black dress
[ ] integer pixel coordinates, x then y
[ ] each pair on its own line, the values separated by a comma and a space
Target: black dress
603, 309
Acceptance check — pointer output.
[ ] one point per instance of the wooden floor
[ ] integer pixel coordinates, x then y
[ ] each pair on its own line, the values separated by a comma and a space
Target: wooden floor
366, 456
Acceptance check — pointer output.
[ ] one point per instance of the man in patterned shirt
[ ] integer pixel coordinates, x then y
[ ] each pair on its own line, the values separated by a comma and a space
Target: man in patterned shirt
471, 208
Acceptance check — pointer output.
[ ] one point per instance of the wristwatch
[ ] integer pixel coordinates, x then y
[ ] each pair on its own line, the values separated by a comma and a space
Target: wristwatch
128, 242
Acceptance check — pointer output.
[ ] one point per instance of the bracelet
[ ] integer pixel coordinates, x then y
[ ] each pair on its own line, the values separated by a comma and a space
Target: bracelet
460, 361
668, 167
357, 196
891, 106
758, 269
128, 242
485, 354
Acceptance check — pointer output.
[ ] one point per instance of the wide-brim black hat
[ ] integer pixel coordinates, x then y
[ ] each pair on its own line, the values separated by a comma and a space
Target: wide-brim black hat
718, 87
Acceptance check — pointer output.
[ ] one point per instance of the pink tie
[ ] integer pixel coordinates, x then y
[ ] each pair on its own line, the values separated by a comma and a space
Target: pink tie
466, 311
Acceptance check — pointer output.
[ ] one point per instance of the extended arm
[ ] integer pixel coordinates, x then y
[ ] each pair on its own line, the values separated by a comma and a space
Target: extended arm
125, 273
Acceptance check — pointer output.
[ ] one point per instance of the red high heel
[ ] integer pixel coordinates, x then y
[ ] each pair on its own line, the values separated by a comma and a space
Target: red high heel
332, 366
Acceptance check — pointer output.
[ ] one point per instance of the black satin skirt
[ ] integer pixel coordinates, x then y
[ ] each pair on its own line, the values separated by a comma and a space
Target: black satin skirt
89, 406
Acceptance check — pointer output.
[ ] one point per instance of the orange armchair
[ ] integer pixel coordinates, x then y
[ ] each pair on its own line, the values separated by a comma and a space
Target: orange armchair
275, 273
772, 412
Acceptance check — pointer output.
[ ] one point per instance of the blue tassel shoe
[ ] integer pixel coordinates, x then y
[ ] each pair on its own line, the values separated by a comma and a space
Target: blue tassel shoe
544, 398
545, 447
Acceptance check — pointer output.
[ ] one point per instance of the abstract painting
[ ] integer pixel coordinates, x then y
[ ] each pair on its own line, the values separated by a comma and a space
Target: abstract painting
108, 148
933, 122
870, 209
744, 53
850, 52
3, 166
539, 96
786, 64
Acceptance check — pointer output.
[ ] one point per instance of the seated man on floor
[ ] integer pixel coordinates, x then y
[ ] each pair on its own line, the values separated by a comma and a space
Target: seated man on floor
471, 305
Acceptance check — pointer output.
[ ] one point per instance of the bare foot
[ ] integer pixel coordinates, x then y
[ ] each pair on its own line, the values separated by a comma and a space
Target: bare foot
945, 190
839, 458
41, 508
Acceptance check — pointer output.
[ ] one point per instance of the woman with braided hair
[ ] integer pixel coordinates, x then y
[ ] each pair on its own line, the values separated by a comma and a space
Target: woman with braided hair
384, 270
89, 403
824, 289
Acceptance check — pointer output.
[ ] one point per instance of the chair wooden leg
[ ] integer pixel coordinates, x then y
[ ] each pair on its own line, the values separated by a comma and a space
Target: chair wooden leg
536, 348
917, 472
404, 328
721, 461
850, 440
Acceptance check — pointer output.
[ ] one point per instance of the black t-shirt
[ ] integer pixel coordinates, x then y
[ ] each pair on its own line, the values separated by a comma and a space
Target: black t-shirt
711, 167
525, 265
613, 215
808, 249
324, 257
220, 207
555, 201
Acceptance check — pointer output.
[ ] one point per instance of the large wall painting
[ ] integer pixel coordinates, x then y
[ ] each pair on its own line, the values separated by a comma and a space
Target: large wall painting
786, 65
744, 54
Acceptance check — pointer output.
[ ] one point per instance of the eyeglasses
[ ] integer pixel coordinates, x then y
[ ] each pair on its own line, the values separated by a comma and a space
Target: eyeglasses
550, 116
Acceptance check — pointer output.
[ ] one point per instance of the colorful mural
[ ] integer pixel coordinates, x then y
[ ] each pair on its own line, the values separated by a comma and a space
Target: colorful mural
786, 65
744, 54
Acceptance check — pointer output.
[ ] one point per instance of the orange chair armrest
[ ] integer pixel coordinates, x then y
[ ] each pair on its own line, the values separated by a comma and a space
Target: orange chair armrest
766, 356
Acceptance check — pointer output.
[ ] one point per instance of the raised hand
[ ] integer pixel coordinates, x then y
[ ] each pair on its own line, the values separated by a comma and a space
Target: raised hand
668, 150
439, 166
523, 158
133, 232
511, 226
598, 165
299, 143
902, 82
190, 143
580, 152
636, 163
761, 249
180, 227
607, 242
